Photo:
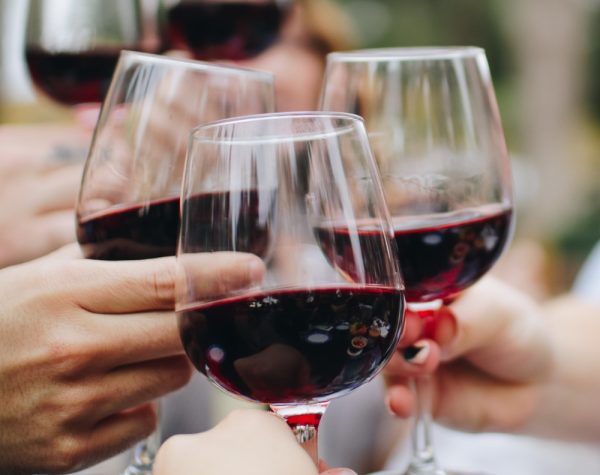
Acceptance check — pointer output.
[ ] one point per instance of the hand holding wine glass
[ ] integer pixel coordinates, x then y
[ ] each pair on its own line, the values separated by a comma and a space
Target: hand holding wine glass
435, 130
301, 192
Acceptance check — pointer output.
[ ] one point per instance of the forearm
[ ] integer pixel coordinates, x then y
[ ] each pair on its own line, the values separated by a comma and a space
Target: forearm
568, 399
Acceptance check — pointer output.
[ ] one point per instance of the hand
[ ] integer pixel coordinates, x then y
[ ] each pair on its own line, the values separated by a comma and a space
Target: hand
247, 441
85, 346
497, 355
38, 186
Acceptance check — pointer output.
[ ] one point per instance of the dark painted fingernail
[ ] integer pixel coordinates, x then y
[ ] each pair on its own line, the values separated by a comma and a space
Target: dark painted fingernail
417, 353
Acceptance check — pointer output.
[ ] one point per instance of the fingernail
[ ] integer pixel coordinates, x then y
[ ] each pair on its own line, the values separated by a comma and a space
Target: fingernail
417, 353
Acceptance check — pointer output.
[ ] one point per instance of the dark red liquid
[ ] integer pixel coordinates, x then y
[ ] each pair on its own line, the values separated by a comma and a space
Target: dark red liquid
439, 261
294, 345
227, 30
135, 232
151, 230
72, 78
439, 255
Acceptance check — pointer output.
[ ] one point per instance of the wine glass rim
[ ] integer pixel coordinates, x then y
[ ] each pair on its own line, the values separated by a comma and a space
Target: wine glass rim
416, 53
198, 65
350, 121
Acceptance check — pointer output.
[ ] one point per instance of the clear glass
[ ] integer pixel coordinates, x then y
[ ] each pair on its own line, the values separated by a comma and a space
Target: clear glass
128, 206
436, 134
72, 46
222, 29
301, 192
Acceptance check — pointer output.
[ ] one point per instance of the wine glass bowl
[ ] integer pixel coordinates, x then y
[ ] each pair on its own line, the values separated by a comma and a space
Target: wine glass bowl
436, 134
218, 30
72, 47
437, 138
128, 206
284, 187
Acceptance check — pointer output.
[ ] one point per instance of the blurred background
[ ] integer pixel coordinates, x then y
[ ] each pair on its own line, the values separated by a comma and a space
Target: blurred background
545, 61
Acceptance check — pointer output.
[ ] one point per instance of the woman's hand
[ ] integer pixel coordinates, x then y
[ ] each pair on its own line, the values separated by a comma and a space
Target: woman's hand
511, 364
494, 351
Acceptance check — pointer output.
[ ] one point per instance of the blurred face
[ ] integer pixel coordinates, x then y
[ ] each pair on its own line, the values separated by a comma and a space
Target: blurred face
298, 74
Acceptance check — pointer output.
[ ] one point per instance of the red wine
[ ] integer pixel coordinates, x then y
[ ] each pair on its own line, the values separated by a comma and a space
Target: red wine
294, 345
151, 230
133, 232
440, 255
226, 30
72, 78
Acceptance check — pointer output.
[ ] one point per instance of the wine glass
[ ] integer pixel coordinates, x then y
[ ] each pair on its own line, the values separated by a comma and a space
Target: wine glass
128, 206
223, 29
434, 126
72, 46
301, 192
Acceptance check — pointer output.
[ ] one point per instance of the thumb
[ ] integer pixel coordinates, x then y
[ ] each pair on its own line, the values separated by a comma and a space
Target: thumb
215, 274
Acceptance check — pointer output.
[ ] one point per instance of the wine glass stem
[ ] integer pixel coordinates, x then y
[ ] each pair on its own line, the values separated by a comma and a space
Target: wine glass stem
145, 451
307, 437
304, 421
423, 458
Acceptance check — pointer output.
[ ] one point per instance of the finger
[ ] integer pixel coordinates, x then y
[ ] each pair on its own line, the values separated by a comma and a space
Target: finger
51, 231
469, 399
444, 328
483, 313
57, 189
419, 359
122, 287
67, 252
118, 432
55, 229
400, 400
500, 329
127, 339
132, 385
206, 275
413, 329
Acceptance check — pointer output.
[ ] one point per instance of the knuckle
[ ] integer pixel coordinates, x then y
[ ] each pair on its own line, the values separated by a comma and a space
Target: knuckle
69, 357
177, 374
162, 282
68, 454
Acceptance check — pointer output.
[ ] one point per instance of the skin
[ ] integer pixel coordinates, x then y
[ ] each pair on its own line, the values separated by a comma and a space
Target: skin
87, 345
38, 185
246, 441
510, 364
